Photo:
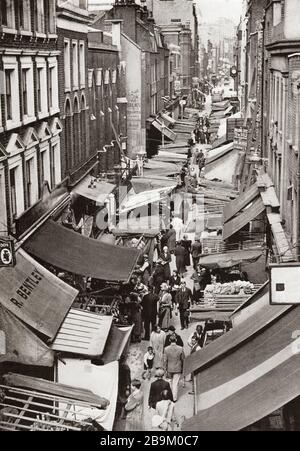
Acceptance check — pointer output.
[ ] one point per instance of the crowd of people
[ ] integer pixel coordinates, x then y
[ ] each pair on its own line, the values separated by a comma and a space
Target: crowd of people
163, 360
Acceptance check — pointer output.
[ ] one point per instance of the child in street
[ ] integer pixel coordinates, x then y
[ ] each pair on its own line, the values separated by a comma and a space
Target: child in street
148, 363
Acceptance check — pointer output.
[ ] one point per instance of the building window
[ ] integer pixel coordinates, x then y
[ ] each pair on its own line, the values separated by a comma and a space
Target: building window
25, 91
50, 87
29, 182
82, 64
27, 88
8, 94
39, 89
67, 65
75, 64
13, 193
3, 13
52, 166
39, 16
21, 14
53, 85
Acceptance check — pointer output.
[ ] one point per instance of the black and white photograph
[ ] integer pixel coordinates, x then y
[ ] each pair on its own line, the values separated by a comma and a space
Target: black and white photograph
149, 218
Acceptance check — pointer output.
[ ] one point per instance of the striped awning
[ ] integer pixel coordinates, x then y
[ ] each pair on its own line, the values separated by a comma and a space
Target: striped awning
248, 373
234, 207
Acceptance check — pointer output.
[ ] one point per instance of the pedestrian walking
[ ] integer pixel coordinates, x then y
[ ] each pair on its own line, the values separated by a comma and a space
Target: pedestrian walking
148, 363
187, 244
170, 239
196, 251
173, 361
149, 313
157, 387
157, 342
180, 258
165, 418
165, 307
175, 282
134, 408
196, 277
135, 308
178, 223
183, 299
172, 333
166, 259
158, 276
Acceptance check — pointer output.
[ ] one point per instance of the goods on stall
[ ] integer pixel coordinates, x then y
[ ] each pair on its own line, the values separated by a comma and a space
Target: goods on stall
238, 287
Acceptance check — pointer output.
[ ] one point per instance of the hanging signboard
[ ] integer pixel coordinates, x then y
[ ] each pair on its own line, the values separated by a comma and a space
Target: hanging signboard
7, 253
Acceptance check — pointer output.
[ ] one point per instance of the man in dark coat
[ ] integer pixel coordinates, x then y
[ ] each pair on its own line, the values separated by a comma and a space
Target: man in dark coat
196, 252
180, 254
149, 313
183, 299
157, 387
172, 332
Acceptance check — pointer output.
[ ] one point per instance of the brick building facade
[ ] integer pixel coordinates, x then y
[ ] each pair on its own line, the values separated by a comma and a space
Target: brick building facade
72, 23
30, 129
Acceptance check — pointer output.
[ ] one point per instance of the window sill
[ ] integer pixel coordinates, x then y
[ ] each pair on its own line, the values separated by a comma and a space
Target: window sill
28, 119
82, 85
52, 36
67, 89
54, 111
7, 30
75, 88
43, 115
26, 33
10, 124
40, 35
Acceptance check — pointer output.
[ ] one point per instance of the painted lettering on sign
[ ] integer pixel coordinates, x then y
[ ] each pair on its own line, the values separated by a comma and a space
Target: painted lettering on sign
24, 292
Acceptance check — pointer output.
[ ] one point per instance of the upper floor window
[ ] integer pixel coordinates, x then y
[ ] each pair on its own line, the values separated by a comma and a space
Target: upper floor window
27, 88
3, 13
7, 13
277, 13
25, 91
23, 13
67, 64
8, 93
75, 64
82, 64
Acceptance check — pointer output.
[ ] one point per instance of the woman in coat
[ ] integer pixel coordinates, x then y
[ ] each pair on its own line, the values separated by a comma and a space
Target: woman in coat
165, 307
187, 244
157, 342
135, 408
166, 259
180, 259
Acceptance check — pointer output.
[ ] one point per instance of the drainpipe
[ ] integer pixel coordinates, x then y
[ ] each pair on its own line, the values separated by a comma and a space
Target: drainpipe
298, 212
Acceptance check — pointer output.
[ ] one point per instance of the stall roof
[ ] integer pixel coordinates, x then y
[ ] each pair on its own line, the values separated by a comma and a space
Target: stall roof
244, 218
158, 168
171, 156
116, 344
148, 226
35, 295
224, 168
230, 259
145, 198
218, 152
240, 203
55, 389
266, 377
76, 254
168, 119
98, 193
83, 333
141, 184
251, 306
22, 345
164, 130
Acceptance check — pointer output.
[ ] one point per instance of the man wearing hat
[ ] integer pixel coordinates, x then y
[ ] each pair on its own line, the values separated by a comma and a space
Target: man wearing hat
172, 332
157, 387
145, 270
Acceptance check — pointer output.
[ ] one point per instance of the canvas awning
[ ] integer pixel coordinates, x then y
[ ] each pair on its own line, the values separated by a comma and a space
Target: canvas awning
244, 218
224, 168
148, 226
101, 380
158, 168
218, 152
116, 344
237, 205
248, 373
258, 300
171, 156
145, 198
168, 119
96, 191
141, 184
76, 254
282, 244
21, 345
33, 294
164, 130
83, 333
230, 259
